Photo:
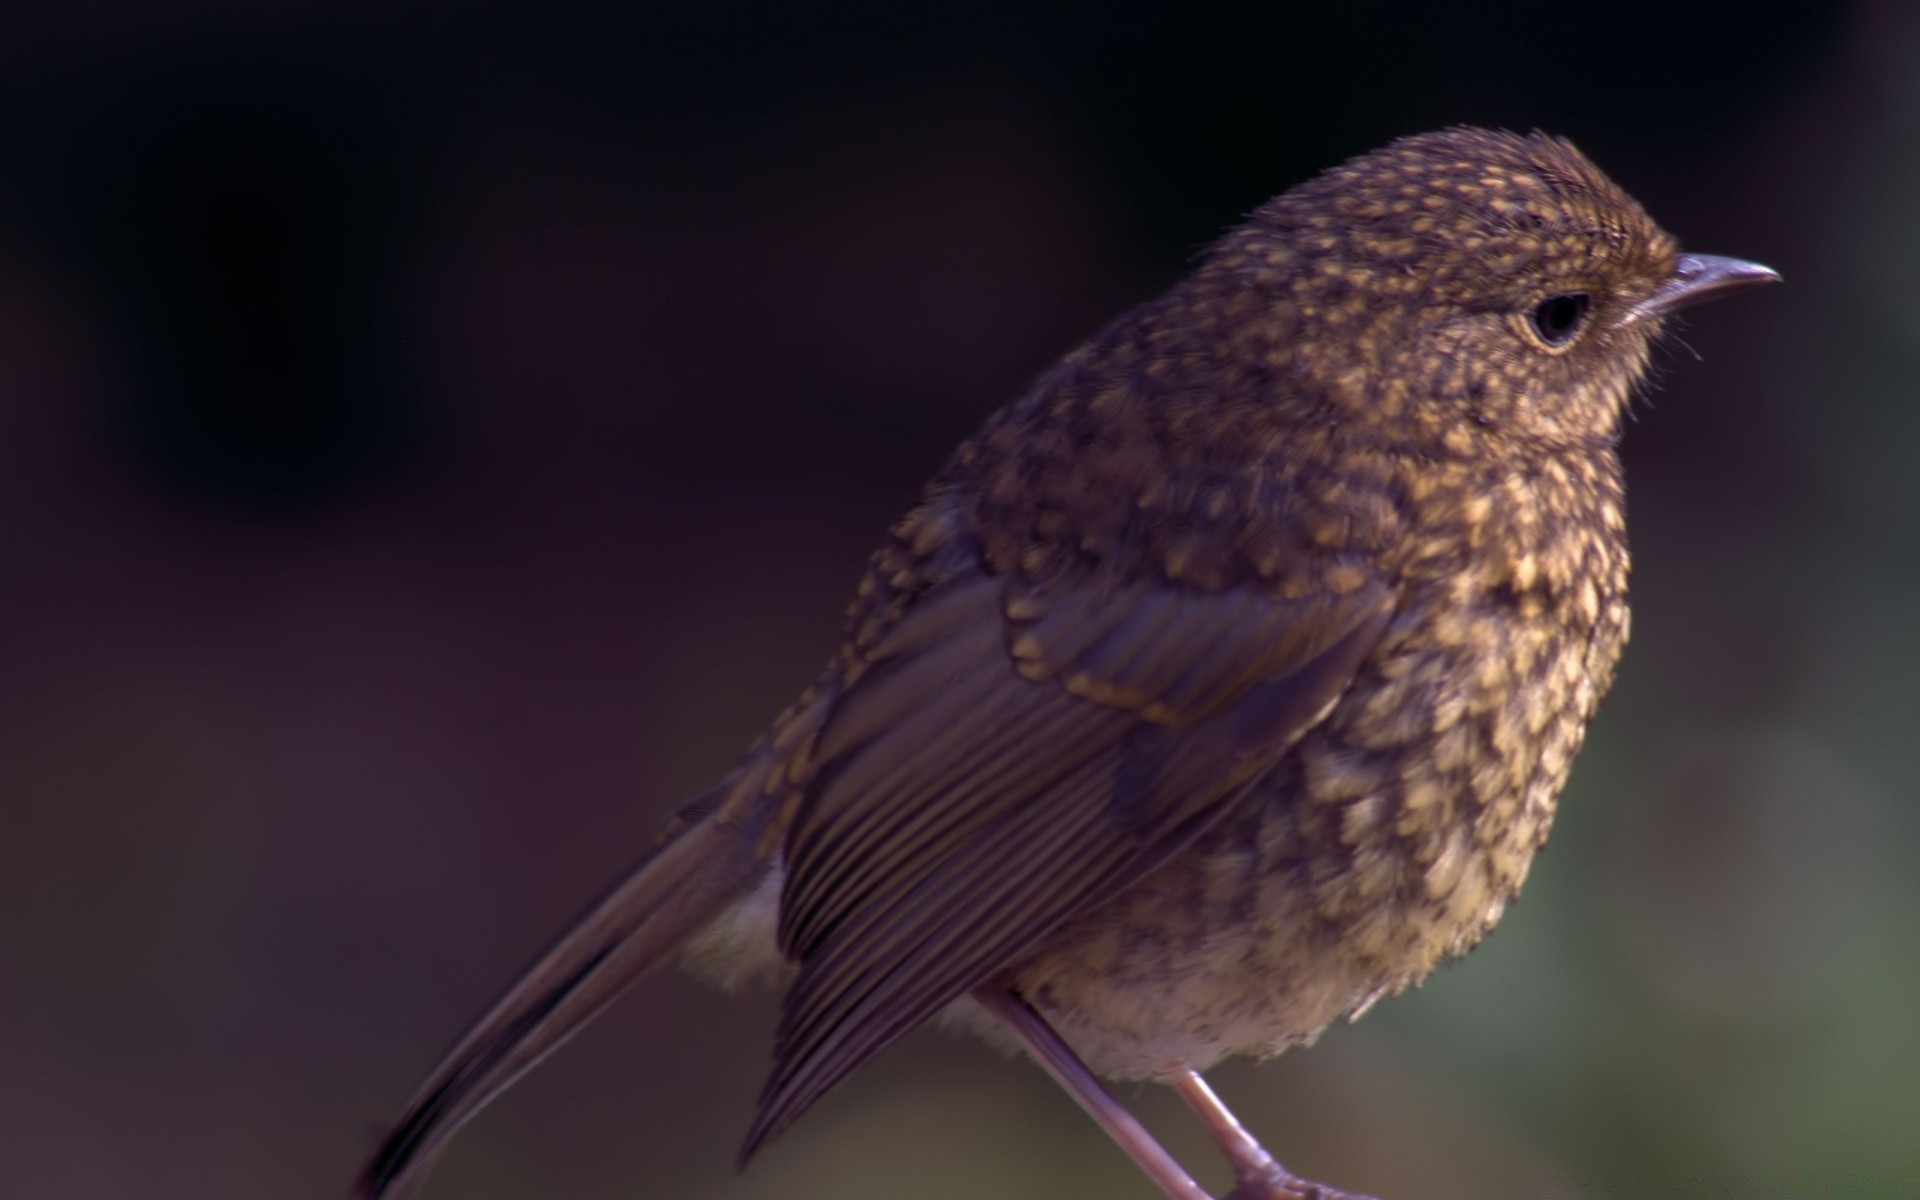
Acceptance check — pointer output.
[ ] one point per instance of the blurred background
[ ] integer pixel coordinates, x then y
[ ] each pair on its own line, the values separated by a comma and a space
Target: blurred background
433, 440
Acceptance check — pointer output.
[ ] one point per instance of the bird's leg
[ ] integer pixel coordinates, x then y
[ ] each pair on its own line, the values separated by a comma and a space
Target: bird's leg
1070, 1073
1257, 1176
1252, 1164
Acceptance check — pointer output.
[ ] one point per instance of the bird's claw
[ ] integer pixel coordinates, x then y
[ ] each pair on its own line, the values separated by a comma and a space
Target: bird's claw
1284, 1185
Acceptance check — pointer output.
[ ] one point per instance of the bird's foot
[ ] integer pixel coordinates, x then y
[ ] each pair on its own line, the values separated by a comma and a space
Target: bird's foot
1256, 1173
1281, 1184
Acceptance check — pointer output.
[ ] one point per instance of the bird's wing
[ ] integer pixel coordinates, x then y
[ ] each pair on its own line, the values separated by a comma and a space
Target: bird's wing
1009, 756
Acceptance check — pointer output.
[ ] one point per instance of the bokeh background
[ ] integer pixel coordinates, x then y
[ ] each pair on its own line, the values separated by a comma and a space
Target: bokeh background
434, 439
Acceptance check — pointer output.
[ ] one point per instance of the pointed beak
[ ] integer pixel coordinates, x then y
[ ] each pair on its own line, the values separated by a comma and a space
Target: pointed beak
1698, 277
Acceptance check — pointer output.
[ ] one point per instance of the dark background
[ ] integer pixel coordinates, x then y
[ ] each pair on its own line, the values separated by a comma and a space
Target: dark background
431, 445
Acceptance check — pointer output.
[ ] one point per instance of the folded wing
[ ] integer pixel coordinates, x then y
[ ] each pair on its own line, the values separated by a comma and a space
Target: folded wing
1009, 756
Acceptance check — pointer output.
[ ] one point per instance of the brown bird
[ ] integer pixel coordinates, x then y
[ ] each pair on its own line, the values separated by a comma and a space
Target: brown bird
1224, 683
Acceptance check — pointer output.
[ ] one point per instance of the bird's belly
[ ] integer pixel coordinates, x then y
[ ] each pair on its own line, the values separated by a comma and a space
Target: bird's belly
1375, 850
1216, 955
1378, 847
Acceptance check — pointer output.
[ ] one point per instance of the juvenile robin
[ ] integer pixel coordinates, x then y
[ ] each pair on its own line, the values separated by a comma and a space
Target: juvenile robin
1222, 684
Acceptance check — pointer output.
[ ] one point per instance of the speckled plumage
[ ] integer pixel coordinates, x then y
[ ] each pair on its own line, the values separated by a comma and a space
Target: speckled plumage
1224, 682
1338, 396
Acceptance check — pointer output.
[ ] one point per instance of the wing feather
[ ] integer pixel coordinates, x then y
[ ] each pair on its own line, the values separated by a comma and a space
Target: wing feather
1010, 756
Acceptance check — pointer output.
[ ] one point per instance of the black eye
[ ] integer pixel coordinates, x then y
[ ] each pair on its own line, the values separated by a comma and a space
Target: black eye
1559, 316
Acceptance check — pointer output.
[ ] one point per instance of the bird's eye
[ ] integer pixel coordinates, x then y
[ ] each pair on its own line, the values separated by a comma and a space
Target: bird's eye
1558, 317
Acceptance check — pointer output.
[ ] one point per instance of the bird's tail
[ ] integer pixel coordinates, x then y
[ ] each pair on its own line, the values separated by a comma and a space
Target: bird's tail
712, 859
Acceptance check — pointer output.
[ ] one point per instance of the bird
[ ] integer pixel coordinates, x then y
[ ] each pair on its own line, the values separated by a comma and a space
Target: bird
1222, 684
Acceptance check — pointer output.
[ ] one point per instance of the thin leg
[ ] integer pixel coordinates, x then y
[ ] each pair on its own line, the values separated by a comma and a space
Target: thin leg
1258, 1176
1251, 1162
1070, 1073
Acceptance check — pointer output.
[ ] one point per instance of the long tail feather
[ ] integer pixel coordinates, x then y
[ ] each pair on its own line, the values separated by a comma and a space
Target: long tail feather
642, 920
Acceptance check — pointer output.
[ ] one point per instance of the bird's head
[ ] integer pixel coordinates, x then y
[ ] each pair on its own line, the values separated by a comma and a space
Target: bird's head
1474, 286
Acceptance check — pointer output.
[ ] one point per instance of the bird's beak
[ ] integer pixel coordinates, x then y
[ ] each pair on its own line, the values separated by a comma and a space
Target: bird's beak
1698, 277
